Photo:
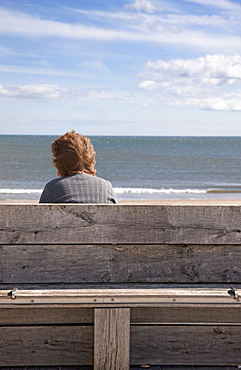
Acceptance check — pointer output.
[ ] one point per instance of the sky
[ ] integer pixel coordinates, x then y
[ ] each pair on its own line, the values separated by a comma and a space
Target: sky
120, 67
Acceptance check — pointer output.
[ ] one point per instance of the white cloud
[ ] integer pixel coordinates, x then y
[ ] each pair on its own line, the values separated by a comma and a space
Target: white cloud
211, 69
130, 20
164, 22
224, 103
34, 71
190, 20
33, 91
24, 25
221, 4
21, 24
48, 92
55, 92
148, 85
209, 82
158, 30
142, 5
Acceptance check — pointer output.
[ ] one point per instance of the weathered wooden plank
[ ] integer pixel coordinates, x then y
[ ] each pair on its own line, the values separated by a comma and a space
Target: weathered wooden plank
163, 345
78, 223
9, 287
186, 315
41, 316
133, 367
37, 264
76, 367
186, 345
49, 345
155, 315
192, 368
112, 339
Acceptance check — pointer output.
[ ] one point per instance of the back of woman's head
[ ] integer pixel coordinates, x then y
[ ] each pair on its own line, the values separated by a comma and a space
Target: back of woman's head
73, 153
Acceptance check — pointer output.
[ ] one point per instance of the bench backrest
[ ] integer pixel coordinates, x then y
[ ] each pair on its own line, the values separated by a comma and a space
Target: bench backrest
79, 244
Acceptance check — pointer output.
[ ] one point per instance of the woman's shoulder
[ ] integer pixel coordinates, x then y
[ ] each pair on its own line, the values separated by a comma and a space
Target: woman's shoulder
53, 182
85, 177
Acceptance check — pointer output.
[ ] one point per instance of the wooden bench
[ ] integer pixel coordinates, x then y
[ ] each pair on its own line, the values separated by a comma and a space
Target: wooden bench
114, 285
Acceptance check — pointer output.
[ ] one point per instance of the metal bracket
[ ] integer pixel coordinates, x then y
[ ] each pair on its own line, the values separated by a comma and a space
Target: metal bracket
233, 291
13, 293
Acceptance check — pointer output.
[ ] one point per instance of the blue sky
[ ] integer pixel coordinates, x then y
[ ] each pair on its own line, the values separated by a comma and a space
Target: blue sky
130, 67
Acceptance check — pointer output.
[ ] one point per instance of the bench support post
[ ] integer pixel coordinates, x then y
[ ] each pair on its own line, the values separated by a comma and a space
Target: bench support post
112, 339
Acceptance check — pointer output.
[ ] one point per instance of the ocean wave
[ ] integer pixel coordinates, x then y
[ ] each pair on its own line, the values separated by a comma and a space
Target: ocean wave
158, 191
120, 190
21, 191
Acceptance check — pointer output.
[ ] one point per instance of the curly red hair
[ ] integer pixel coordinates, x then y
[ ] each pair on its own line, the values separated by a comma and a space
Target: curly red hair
73, 153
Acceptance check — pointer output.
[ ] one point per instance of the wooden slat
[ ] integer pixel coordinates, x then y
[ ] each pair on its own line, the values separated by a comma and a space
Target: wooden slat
159, 367
75, 367
37, 264
112, 339
53, 345
133, 367
55, 315
186, 315
191, 345
164, 345
190, 368
155, 315
174, 224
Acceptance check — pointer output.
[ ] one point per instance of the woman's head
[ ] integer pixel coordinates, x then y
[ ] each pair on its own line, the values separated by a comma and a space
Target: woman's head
73, 153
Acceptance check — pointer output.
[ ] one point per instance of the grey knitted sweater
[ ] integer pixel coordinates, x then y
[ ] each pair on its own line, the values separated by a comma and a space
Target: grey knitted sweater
78, 188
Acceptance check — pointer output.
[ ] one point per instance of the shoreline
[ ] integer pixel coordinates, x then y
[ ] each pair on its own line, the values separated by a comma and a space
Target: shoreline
144, 202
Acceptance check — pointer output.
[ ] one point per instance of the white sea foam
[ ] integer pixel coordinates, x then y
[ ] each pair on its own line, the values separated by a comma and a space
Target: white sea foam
117, 190
21, 191
158, 191
147, 191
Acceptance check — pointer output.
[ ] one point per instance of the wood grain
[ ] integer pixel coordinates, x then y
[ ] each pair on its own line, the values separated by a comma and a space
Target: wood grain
40, 264
186, 345
171, 224
102, 246
43, 316
138, 315
186, 315
112, 339
46, 345
163, 345
181, 368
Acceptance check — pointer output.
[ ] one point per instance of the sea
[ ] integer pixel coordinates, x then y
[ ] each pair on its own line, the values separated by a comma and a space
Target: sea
139, 168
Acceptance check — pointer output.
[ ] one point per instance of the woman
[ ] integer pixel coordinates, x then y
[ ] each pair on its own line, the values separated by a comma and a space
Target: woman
74, 158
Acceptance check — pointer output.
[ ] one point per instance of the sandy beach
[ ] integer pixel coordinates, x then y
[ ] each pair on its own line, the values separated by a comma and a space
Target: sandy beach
220, 202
